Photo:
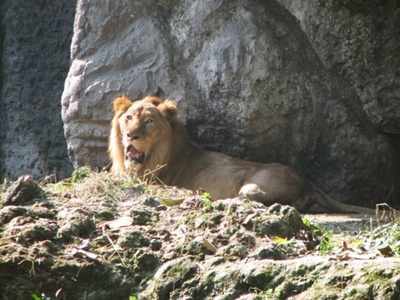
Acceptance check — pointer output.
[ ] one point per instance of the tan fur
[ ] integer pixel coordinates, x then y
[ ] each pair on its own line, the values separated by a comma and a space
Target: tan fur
165, 144
115, 148
175, 161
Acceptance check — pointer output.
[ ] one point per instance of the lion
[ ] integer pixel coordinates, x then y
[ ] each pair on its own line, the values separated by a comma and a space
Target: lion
147, 137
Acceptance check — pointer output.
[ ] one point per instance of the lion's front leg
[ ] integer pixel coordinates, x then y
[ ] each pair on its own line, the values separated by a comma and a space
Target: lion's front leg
253, 192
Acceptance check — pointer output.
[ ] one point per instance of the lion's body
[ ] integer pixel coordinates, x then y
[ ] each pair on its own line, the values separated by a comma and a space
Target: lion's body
146, 137
224, 176
175, 161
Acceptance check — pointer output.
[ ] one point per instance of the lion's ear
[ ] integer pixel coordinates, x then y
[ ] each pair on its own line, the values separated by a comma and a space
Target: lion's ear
168, 109
155, 100
121, 104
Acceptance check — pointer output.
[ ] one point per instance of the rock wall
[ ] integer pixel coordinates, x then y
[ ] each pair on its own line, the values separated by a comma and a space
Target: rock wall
35, 45
359, 42
250, 81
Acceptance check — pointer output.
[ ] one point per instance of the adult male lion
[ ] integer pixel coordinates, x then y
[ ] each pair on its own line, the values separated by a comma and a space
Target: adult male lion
146, 135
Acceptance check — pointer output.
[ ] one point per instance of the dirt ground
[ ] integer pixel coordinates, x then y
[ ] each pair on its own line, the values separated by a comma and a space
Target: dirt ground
94, 236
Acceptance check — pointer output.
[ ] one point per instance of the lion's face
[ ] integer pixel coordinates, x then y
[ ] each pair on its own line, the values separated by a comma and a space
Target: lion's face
144, 126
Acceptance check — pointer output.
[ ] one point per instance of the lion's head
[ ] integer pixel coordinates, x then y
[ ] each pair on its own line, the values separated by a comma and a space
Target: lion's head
141, 134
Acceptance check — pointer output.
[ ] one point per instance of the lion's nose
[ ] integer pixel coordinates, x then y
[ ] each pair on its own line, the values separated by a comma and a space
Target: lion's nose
132, 136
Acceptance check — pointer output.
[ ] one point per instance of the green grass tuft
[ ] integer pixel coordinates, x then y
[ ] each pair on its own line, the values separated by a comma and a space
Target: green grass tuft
326, 244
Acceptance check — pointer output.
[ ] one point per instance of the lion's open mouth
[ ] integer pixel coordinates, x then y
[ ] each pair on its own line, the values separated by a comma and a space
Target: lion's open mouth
135, 155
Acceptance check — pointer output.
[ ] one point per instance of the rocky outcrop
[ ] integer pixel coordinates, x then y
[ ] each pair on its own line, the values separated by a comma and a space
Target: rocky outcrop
35, 40
248, 82
96, 237
358, 42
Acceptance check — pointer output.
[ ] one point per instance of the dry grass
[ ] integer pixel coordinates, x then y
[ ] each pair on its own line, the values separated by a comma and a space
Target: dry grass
94, 187
104, 186
90, 186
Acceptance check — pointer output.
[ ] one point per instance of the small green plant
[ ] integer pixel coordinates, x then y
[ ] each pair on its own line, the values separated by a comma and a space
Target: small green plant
79, 174
40, 297
315, 229
326, 244
133, 297
280, 240
206, 201
36, 297
131, 182
264, 295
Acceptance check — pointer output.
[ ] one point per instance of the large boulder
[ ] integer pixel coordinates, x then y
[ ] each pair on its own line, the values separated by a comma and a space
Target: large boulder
247, 80
359, 42
35, 38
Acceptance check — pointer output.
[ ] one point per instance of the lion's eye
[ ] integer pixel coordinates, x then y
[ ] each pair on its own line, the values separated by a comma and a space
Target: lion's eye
129, 117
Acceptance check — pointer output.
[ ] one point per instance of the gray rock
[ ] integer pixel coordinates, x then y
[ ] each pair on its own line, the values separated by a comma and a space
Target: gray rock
169, 276
142, 216
247, 80
200, 245
288, 214
268, 251
22, 191
41, 211
26, 232
34, 53
146, 262
277, 220
8, 213
151, 201
132, 239
358, 42
105, 213
155, 245
75, 223
233, 251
